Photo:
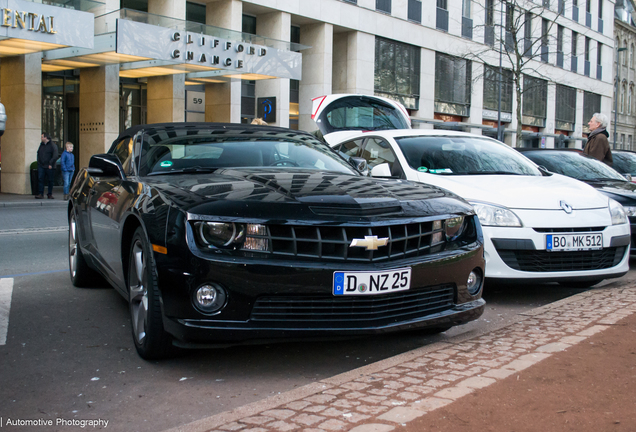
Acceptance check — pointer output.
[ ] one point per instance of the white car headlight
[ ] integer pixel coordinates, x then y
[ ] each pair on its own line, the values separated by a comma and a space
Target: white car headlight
491, 215
617, 212
629, 211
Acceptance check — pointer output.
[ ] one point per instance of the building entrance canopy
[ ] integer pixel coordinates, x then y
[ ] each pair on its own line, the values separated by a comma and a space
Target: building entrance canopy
151, 45
28, 27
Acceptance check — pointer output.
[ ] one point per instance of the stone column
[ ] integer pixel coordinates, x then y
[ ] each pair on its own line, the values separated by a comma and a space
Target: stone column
427, 86
21, 91
317, 69
354, 63
99, 111
166, 99
223, 100
550, 115
166, 94
276, 25
477, 97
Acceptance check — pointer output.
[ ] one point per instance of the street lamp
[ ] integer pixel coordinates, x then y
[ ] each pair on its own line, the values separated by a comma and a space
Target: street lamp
618, 82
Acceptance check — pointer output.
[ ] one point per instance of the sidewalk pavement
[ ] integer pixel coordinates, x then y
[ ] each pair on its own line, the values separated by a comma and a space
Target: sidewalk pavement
425, 388
15, 200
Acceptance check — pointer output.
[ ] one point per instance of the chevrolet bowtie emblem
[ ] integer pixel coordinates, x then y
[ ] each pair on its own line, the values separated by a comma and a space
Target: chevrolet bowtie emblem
369, 242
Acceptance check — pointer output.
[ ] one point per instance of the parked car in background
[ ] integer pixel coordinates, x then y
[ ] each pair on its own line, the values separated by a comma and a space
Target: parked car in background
225, 233
538, 226
625, 163
582, 167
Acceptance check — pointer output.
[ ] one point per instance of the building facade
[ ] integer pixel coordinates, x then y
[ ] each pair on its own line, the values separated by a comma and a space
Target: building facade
623, 127
97, 68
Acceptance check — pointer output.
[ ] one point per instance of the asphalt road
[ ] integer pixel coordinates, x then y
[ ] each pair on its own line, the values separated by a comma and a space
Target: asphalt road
69, 352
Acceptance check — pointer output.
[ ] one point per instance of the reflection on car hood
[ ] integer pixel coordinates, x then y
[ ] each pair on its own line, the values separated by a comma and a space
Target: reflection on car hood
264, 193
522, 192
622, 191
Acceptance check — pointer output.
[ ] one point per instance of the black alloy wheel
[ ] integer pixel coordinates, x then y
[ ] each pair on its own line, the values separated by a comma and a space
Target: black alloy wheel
151, 340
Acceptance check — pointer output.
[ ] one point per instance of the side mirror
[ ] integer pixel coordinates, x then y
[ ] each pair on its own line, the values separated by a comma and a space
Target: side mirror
359, 163
382, 170
108, 164
3, 119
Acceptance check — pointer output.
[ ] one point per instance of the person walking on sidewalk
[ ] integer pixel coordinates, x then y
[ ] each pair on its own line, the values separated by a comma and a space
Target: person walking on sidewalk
597, 145
47, 155
68, 167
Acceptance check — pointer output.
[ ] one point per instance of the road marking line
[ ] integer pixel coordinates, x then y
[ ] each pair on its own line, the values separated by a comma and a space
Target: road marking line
33, 274
33, 230
6, 288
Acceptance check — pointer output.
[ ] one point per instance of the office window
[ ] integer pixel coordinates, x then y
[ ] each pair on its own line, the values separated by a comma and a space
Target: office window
622, 141
621, 104
452, 85
545, 24
195, 12
575, 37
383, 6
587, 49
625, 54
466, 8
527, 35
415, 11
591, 105
631, 56
629, 100
629, 142
139, 5
535, 96
491, 89
588, 6
565, 114
467, 21
600, 9
397, 71
249, 24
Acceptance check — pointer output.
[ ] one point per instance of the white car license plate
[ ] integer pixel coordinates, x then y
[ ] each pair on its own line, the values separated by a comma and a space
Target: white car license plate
370, 283
573, 242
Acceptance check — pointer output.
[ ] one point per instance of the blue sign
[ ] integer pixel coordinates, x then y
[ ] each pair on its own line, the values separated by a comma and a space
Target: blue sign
267, 109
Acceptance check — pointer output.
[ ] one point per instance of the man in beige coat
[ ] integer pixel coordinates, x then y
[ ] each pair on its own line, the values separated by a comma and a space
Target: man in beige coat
597, 145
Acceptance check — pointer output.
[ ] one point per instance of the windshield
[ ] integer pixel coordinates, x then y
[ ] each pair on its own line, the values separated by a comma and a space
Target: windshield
624, 162
206, 150
463, 156
360, 113
574, 164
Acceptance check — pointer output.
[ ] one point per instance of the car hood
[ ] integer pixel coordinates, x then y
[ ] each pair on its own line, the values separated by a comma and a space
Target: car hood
298, 193
622, 191
521, 192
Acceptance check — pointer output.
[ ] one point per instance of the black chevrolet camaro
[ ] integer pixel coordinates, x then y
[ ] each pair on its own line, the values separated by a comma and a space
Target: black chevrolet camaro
226, 233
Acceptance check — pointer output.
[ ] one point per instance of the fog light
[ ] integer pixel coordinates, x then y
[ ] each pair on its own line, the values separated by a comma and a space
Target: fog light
209, 298
473, 284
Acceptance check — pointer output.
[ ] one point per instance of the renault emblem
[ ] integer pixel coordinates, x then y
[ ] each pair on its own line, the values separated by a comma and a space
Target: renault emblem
369, 242
566, 207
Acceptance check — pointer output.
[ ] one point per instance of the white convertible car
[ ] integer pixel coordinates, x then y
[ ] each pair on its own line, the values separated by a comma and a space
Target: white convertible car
538, 226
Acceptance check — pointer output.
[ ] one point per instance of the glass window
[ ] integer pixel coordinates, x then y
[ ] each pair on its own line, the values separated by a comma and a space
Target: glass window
204, 150
535, 96
491, 88
452, 83
350, 148
442, 4
139, 5
195, 12
249, 24
124, 151
415, 11
573, 49
599, 54
377, 151
560, 39
629, 100
591, 105
383, 6
490, 13
631, 56
587, 49
573, 164
565, 104
397, 72
466, 8
447, 155
621, 105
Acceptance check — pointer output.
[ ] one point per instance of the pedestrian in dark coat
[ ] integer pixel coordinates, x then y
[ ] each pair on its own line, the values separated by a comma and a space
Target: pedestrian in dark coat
47, 155
597, 144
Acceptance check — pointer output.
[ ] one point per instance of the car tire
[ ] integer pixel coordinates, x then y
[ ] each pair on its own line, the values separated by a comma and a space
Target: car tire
82, 276
151, 340
579, 284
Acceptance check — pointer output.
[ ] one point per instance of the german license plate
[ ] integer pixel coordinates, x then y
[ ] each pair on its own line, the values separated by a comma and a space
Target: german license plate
573, 242
370, 283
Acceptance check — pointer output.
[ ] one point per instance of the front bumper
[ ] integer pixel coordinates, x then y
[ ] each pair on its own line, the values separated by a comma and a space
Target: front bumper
274, 299
520, 253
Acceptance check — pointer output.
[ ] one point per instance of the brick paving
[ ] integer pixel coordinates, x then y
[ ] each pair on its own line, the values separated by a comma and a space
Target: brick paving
380, 396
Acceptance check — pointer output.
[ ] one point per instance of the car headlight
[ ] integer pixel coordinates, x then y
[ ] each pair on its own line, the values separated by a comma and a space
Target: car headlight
629, 211
231, 235
454, 227
617, 212
491, 215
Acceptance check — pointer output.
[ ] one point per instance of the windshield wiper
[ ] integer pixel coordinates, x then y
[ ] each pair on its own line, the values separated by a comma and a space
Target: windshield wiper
488, 173
194, 169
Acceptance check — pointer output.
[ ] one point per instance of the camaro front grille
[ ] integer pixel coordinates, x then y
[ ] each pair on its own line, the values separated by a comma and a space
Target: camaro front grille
333, 242
358, 310
544, 261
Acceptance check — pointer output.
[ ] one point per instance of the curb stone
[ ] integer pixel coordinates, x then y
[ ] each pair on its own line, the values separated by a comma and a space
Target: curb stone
379, 396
